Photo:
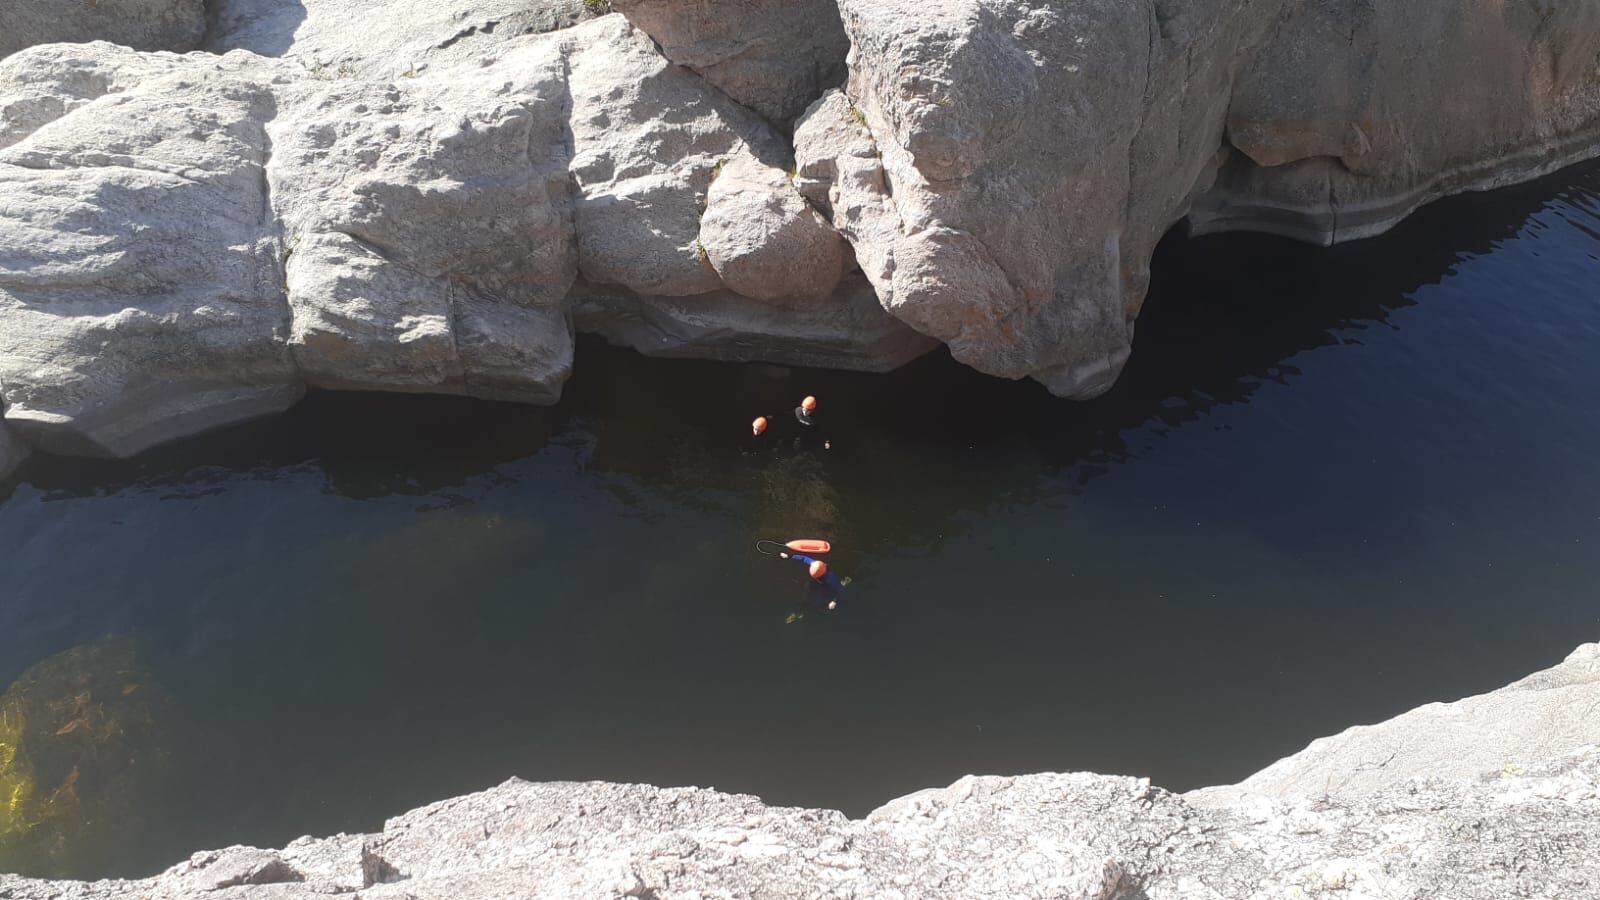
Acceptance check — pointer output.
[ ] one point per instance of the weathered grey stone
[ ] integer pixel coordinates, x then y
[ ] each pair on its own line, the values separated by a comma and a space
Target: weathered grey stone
339, 40
140, 24
140, 295
1029, 156
48, 82
763, 239
404, 204
847, 330
774, 56
1548, 714
1525, 825
1018, 161
647, 137
1359, 111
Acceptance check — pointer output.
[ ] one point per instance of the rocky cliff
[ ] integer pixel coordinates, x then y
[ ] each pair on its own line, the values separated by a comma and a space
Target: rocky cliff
1492, 797
432, 196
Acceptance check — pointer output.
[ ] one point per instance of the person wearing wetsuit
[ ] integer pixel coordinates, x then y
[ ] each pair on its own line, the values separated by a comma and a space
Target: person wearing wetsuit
810, 433
825, 588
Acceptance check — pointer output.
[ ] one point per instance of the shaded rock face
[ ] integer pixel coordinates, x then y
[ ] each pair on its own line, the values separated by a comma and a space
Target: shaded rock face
774, 56
1357, 112
1015, 164
140, 24
12, 451
1521, 821
1017, 161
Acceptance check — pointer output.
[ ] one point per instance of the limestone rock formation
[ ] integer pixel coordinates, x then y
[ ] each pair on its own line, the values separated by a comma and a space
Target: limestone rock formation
1024, 160
384, 39
1030, 155
157, 193
1523, 820
1358, 112
140, 24
849, 331
424, 196
416, 213
763, 239
774, 56
1549, 713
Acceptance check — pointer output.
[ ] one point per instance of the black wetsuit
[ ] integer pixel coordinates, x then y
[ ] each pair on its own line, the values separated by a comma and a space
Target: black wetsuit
810, 434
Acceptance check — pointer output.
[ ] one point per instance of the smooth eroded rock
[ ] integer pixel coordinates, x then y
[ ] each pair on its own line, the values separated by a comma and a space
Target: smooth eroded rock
140, 294
1359, 111
774, 56
763, 239
847, 330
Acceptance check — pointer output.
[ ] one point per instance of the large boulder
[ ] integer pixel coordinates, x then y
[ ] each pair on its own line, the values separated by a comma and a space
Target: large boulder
429, 230
140, 292
1358, 111
140, 24
763, 239
774, 56
1016, 162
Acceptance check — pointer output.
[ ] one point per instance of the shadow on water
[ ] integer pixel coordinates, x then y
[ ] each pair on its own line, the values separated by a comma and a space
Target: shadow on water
1225, 315
374, 600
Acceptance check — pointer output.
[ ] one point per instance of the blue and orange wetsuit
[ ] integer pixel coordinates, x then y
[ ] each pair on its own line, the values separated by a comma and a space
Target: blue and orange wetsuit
828, 580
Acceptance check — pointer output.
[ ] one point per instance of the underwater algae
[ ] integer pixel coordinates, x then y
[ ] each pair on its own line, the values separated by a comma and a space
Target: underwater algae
81, 745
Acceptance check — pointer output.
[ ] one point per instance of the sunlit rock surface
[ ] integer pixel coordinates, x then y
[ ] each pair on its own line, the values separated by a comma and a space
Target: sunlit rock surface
1520, 820
430, 196
774, 56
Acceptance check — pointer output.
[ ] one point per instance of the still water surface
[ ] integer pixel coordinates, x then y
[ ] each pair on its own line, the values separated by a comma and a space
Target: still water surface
1332, 485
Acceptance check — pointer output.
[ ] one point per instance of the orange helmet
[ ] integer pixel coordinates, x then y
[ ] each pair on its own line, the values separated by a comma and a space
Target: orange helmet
809, 404
819, 569
759, 425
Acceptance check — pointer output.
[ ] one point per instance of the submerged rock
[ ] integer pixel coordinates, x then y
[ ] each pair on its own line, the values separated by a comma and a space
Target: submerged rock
1522, 821
140, 24
84, 744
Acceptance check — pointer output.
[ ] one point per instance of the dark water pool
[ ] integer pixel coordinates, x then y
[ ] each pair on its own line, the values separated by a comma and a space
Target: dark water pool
1332, 485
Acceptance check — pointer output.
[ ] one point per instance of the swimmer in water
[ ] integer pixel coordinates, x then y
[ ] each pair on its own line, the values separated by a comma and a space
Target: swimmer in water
824, 586
806, 415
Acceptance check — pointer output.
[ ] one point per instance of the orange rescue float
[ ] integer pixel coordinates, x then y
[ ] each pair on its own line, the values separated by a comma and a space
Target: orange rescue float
809, 546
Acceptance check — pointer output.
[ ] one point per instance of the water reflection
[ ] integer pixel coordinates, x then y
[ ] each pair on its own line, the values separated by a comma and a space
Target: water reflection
1305, 505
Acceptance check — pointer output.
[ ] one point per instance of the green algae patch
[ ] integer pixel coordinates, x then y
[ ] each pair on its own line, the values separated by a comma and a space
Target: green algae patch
82, 752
